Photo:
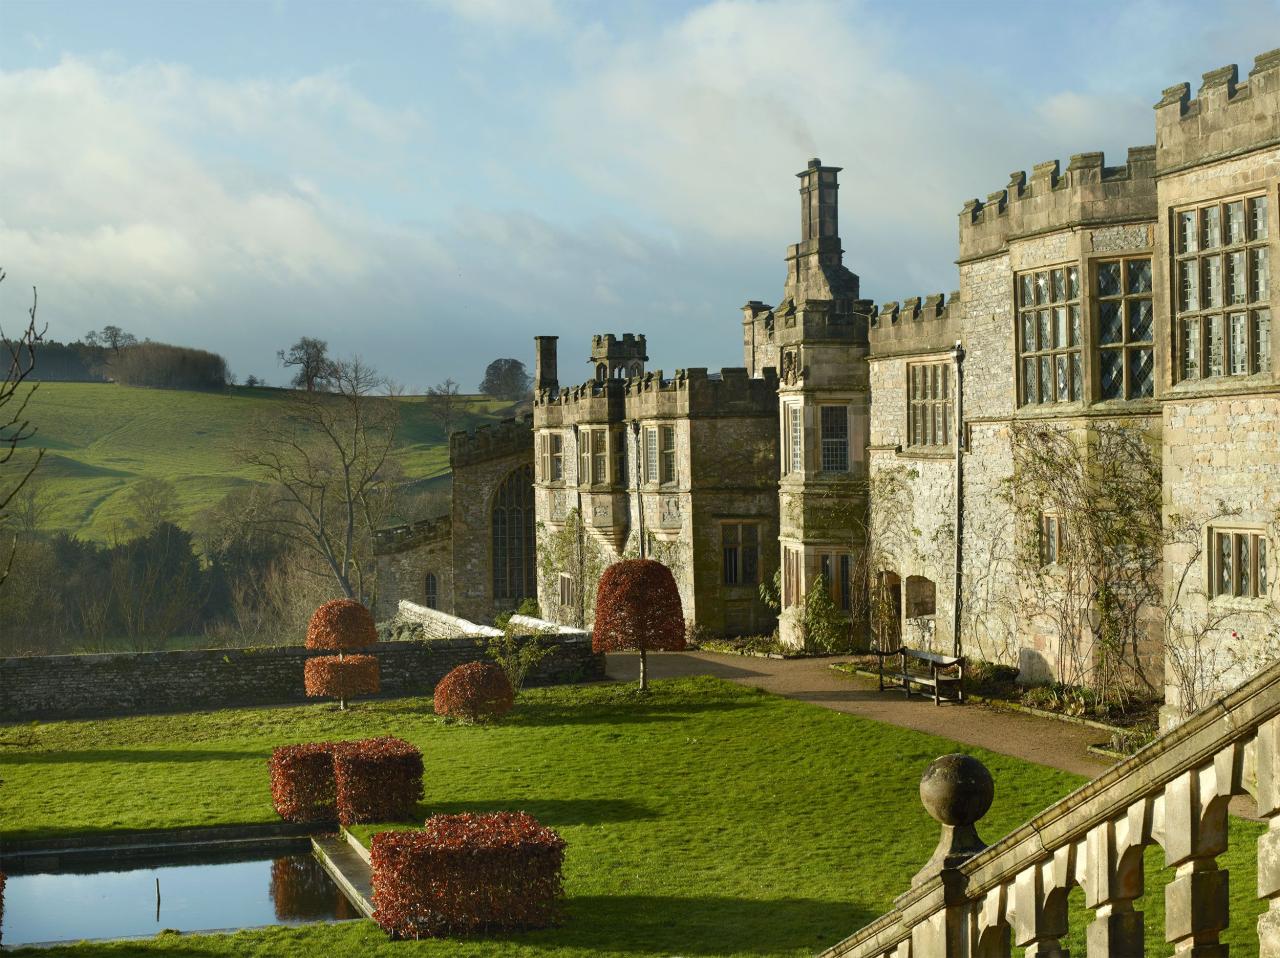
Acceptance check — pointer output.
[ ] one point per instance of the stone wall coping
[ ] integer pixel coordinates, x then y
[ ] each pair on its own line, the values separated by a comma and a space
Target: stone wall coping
1184, 748
413, 612
535, 624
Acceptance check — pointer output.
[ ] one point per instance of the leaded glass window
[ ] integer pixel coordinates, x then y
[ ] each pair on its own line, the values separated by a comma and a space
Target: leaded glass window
835, 438
929, 404
1126, 328
741, 553
512, 525
1049, 336
1238, 563
1224, 289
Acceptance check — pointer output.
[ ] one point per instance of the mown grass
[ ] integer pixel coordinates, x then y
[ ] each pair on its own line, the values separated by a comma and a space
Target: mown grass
704, 820
102, 437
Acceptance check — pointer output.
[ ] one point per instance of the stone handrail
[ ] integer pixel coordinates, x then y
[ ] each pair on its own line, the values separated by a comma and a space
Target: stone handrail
1174, 793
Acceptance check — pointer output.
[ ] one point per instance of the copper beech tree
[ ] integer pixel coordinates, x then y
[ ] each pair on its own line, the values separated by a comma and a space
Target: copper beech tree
341, 625
638, 608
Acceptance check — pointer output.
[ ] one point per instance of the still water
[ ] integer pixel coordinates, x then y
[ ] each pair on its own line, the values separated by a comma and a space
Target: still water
288, 890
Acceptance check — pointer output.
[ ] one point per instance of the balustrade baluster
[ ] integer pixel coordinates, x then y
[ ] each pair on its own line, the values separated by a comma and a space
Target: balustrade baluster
1267, 762
1113, 879
1196, 901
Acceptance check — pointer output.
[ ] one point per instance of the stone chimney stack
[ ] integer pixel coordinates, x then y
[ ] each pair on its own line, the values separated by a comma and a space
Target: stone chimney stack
819, 207
545, 373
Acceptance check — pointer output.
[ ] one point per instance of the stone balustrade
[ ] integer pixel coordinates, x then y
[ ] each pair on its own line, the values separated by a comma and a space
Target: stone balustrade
975, 902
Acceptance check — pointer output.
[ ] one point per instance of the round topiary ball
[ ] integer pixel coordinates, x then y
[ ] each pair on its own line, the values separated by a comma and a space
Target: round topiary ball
340, 625
474, 692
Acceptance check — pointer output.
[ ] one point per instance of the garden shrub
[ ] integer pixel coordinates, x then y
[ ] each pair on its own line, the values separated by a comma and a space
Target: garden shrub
341, 625
638, 607
467, 874
328, 676
302, 783
474, 692
369, 780
378, 780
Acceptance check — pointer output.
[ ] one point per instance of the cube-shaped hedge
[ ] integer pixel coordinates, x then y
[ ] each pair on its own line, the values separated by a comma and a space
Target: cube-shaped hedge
378, 780
302, 782
467, 874
370, 780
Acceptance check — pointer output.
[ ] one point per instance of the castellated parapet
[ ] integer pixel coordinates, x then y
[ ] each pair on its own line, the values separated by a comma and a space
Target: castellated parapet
1225, 119
618, 357
597, 401
916, 325
507, 438
412, 534
697, 393
1090, 193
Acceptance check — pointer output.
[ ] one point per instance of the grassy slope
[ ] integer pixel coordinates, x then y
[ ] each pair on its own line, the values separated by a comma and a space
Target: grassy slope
101, 437
707, 820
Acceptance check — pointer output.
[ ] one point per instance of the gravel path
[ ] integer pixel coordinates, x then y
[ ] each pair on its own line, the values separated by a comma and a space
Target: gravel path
1043, 741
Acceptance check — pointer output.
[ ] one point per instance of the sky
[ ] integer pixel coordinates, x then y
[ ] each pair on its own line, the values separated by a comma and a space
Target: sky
429, 184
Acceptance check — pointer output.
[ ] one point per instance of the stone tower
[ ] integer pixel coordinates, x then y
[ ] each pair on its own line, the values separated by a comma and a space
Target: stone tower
820, 329
618, 357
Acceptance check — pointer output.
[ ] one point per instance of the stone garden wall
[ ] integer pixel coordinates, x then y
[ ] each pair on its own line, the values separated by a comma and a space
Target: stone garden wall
72, 686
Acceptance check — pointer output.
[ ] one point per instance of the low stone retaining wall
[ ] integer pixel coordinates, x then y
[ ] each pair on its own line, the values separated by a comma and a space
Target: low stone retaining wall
126, 683
442, 625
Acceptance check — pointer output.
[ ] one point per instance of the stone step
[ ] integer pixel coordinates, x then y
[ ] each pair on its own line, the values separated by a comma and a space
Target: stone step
351, 872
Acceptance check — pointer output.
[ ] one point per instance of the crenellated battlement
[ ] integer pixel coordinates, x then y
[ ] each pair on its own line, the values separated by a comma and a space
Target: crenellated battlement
916, 325
608, 344
698, 392
494, 441
1088, 193
412, 534
1226, 117
590, 402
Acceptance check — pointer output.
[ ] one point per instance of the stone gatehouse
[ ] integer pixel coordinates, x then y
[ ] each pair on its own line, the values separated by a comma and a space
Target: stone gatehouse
937, 462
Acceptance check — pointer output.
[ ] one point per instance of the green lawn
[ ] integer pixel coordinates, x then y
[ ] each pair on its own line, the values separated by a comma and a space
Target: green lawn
102, 437
706, 819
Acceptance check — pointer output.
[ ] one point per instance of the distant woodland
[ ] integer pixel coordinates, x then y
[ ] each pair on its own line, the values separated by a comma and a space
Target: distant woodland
158, 365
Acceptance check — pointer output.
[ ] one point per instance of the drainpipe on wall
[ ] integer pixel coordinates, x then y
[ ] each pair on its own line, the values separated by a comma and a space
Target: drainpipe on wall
958, 356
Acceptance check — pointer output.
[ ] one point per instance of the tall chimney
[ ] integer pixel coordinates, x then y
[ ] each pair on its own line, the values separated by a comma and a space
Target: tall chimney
544, 371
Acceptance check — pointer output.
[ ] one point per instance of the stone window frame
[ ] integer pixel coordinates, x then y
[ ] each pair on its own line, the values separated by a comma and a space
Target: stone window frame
1049, 311
551, 456
793, 438
1199, 241
669, 472
1128, 301
618, 436
836, 569
650, 476
929, 410
792, 575
834, 449
1051, 538
431, 591
736, 570
567, 597
1227, 576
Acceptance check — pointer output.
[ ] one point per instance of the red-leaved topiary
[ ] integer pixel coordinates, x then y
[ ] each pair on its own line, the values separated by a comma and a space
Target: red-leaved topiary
464, 874
474, 692
378, 780
369, 780
331, 676
638, 607
2, 881
341, 625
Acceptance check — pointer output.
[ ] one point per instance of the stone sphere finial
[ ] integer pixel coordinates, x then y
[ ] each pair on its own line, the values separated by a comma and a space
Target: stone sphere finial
957, 789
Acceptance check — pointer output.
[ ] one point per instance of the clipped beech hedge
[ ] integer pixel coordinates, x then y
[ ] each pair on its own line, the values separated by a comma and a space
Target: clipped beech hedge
638, 607
467, 874
341, 625
474, 692
302, 783
378, 780
328, 676
370, 780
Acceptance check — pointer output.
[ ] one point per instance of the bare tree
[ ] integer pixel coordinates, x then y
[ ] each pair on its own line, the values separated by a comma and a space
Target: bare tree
311, 356
16, 431
443, 404
110, 337
327, 463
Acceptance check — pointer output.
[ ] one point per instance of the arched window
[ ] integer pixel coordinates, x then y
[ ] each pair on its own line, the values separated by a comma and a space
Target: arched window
635, 369
514, 568
432, 592
602, 372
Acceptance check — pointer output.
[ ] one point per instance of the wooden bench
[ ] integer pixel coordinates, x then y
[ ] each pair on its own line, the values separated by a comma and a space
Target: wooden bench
927, 670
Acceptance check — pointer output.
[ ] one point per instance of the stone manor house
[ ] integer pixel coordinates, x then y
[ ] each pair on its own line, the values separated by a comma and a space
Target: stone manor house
903, 453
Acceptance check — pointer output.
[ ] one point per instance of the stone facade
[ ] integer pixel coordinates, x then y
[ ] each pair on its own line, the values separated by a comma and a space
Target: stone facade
857, 433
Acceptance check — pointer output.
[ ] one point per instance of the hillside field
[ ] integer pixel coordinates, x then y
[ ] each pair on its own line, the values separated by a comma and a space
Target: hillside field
102, 437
